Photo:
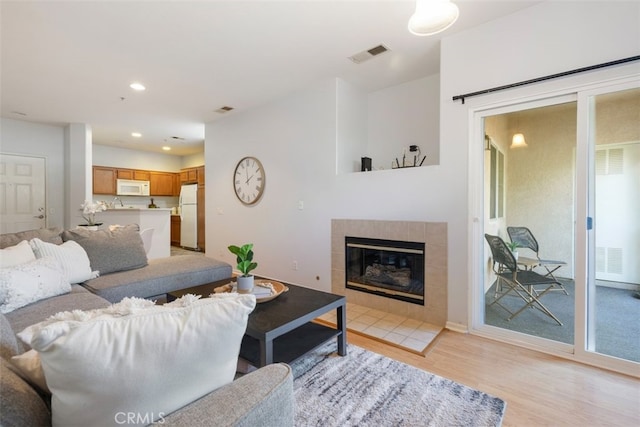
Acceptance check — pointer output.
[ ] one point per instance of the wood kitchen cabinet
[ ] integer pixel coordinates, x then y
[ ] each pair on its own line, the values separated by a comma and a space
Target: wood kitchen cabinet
161, 183
124, 173
189, 176
176, 184
138, 175
200, 173
175, 230
141, 175
104, 180
201, 212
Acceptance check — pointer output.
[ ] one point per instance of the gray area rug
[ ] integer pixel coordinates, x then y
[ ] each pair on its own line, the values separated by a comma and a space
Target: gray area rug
367, 389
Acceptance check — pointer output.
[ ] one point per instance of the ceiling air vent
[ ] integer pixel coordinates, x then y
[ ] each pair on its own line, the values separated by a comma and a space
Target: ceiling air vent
365, 55
224, 109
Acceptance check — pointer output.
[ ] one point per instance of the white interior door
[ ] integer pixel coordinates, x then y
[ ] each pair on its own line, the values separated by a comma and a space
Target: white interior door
22, 193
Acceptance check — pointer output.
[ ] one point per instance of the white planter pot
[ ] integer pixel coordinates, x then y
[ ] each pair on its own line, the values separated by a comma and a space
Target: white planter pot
515, 254
89, 227
245, 284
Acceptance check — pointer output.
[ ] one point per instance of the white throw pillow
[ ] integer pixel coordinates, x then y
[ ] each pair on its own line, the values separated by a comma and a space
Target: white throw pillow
129, 305
72, 257
15, 255
149, 363
26, 283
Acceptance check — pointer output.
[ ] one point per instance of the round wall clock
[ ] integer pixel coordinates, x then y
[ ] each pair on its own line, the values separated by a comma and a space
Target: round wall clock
249, 180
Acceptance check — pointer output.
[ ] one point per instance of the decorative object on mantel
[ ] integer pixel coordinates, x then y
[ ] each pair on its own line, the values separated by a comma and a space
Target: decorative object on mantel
89, 210
244, 258
408, 163
365, 164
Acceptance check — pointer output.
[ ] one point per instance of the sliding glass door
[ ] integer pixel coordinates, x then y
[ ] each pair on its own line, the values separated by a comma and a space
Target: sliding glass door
530, 180
571, 179
613, 314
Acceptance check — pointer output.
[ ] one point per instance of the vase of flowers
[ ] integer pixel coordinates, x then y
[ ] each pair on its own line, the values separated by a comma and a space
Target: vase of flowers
89, 211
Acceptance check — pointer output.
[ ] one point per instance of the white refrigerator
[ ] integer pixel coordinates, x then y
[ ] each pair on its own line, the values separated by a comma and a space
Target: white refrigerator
189, 216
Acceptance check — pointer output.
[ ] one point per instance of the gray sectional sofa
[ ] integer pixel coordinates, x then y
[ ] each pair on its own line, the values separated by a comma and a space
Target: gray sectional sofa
263, 397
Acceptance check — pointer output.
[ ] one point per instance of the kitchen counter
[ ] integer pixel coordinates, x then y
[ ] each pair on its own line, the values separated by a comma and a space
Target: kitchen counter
157, 218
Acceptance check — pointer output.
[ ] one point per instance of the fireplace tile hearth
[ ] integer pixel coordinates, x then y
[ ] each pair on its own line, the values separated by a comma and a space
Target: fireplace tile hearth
404, 332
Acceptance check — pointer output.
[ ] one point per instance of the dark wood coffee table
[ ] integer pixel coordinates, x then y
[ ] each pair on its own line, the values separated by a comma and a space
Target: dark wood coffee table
281, 330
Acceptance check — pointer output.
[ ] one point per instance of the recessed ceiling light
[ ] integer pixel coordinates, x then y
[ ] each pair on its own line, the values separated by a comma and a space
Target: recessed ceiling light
166, 148
137, 86
136, 134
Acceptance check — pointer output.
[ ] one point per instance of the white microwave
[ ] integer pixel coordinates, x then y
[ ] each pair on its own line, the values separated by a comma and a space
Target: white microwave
129, 187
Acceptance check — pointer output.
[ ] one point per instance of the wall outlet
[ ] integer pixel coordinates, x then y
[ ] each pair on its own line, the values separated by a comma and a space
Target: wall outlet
294, 265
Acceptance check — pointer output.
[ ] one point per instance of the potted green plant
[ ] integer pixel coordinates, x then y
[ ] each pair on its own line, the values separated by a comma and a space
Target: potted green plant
244, 258
513, 247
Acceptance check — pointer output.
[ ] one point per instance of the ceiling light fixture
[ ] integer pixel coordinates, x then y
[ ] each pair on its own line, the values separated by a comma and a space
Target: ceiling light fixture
136, 134
137, 86
432, 17
166, 148
518, 141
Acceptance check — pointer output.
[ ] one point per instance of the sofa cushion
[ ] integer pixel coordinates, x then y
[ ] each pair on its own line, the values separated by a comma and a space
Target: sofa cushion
150, 363
162, 275
21, 405
15, 255
78, 299
72, 257
262, 398
51, 235
9, 345
110, 251
26, 283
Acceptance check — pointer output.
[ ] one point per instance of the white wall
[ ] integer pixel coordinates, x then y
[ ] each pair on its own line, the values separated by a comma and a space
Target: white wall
548, 38
296, 139
351, 133
193, 160
104, 155
33, 139
404, 115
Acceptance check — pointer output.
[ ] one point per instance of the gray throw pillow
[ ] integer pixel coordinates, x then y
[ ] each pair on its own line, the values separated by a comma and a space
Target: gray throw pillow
111, 251
49, 235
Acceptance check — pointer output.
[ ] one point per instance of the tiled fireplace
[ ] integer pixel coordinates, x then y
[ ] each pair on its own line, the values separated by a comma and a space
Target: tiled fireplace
432, 307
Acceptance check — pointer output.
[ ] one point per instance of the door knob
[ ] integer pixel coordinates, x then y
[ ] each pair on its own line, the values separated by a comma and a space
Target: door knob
39, 216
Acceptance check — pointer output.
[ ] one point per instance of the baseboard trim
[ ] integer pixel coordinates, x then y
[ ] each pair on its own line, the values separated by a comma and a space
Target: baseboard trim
457, 327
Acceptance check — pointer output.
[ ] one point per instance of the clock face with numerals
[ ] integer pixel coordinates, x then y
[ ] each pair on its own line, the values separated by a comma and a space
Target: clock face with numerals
249, 180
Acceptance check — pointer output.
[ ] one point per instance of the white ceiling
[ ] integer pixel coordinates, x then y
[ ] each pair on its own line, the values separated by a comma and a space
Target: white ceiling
72, 62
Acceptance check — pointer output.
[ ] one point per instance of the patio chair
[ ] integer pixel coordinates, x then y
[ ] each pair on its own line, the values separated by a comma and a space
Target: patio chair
518, 282
524, 238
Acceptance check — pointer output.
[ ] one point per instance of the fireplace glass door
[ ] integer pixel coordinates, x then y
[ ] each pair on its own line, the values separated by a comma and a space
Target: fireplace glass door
389, 268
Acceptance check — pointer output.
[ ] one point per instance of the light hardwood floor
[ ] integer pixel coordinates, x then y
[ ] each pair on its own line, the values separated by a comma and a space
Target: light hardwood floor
540, 390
